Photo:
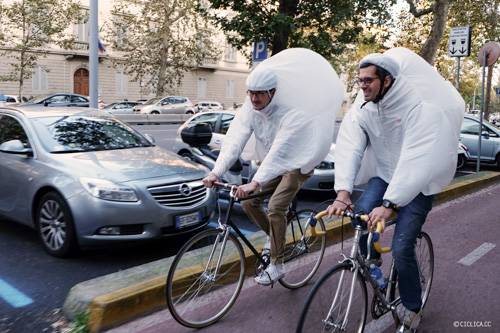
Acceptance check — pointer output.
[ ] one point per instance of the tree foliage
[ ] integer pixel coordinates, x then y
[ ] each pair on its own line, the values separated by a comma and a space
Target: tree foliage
325, 26
161, 40
29, 27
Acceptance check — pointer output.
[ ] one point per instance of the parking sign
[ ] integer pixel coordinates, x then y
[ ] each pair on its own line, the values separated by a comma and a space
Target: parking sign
260, 50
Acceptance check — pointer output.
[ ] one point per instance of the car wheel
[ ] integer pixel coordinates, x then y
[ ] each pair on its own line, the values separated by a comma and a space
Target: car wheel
188, 156
461, 162
55, 226
189, 112
155, 112
497, 159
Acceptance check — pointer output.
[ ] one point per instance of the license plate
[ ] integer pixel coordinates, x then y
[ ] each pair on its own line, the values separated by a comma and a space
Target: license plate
182, 221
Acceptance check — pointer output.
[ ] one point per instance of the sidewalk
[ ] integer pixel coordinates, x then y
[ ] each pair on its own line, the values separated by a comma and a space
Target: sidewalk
120, 297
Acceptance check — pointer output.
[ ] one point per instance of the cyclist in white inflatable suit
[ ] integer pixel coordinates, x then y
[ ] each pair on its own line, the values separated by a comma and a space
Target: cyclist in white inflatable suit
293, 100
401, 137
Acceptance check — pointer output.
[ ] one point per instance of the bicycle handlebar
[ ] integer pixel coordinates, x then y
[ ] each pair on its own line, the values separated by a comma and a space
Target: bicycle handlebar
225, 185
363, 217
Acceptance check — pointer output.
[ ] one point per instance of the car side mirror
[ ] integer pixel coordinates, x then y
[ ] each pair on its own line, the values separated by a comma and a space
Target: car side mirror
46, 103
15, 147
485, 134
150, 138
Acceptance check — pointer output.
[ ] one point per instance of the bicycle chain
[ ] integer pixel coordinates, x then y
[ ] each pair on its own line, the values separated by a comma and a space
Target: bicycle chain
378, 309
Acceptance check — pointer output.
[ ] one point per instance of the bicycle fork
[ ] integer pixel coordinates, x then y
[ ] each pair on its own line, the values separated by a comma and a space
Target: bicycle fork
338, 297
210, 275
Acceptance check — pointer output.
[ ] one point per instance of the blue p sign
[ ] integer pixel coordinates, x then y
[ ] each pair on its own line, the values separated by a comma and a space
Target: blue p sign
497, 90
260, 50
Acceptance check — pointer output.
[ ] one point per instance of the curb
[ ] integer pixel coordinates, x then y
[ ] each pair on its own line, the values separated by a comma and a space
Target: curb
120, 297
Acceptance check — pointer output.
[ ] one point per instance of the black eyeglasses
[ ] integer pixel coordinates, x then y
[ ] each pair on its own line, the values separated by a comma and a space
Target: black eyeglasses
367, 80
259, 94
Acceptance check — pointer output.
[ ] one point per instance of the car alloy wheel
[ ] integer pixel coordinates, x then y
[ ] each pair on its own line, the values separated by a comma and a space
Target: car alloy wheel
461, 162
55, 226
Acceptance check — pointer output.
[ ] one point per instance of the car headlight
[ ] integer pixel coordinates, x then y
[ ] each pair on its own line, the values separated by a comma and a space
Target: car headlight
325, 165
106, 190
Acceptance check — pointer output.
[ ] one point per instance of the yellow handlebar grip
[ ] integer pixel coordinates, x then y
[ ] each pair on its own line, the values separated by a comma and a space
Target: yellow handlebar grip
377, 243
313, 229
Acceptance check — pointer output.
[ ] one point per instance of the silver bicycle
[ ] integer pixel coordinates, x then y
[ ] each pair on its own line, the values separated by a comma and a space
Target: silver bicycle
338, 301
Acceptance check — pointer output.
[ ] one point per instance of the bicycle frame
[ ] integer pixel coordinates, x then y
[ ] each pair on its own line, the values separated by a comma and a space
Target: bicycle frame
358, 264
228, 223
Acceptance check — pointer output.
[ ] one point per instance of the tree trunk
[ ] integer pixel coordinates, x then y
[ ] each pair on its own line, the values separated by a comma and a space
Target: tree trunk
280, 39
431, 45
487, 93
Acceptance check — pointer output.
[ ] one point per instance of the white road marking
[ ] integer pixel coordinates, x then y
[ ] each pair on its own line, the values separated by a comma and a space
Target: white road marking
476, 254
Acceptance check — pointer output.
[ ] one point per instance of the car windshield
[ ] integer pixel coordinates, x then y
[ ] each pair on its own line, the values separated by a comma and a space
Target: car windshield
37, 99
86, 133
109, 106
153, 100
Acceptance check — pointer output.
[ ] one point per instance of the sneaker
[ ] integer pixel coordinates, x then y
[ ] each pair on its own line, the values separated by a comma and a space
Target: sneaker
376, 261
410, 321
272, 274
266, 250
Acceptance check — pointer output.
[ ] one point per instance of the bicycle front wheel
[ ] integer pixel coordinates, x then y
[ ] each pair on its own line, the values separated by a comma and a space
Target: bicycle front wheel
330, 307
424, 253
302, 257
425, 258
200, 288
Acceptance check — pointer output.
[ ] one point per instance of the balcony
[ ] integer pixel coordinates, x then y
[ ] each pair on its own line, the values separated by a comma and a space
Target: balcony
211, 64
79, 49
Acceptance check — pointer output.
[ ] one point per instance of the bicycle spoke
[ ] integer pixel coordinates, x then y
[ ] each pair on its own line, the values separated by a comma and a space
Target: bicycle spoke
200, 289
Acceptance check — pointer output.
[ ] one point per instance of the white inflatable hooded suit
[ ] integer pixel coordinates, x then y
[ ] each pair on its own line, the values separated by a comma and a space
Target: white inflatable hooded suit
295, 130
409, 138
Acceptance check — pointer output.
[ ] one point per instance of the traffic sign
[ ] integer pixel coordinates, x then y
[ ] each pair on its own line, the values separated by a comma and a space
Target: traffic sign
459, 45
260, 50
497, 91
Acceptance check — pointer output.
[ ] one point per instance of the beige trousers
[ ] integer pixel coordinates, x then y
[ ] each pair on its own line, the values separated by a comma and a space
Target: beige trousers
273, 222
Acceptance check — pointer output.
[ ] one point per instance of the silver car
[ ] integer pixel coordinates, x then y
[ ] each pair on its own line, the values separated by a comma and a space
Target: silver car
124, 107
166, 105
81, 178
490, 139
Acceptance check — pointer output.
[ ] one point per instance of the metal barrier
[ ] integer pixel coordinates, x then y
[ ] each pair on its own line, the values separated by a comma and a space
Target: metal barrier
153, 119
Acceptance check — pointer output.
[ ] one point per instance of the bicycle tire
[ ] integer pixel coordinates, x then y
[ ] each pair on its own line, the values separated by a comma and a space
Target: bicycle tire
195, 297
316, 315
424, 252
302, 259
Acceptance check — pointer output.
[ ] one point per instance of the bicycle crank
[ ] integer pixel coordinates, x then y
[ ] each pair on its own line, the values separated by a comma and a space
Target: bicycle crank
378, 308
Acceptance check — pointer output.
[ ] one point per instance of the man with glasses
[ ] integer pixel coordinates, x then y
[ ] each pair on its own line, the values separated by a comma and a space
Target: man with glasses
293, 99
400, 138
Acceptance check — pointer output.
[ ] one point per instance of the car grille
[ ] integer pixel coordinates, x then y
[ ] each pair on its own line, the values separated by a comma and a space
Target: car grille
179, 195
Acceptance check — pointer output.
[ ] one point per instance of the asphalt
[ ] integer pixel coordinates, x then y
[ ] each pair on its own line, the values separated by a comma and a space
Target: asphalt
120, 297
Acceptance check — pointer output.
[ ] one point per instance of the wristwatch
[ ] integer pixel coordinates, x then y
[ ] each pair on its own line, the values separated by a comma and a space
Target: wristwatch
391, 205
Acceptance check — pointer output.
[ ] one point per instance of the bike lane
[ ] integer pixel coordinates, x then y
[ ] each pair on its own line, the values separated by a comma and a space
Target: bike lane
464, 295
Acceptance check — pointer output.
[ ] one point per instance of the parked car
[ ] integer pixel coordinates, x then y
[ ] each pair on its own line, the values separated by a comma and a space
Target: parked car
58, 100
166, 105
463, 156
324, 173
120, 107
208, 106
236, 107
490, 139
10, 100
81, 178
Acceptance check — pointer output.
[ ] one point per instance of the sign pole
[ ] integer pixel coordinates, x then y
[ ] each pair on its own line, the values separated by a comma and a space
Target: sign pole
458, 73
480, 136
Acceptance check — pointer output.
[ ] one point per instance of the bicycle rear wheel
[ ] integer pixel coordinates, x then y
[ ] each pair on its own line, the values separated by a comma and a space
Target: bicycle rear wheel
197, 293
302, 258
424, 252
327, 308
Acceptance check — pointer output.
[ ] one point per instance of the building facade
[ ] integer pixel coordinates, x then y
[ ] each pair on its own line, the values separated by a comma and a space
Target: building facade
67, 71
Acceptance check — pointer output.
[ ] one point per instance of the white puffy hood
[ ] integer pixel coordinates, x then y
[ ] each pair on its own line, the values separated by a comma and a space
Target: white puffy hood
409, 139
295, 130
